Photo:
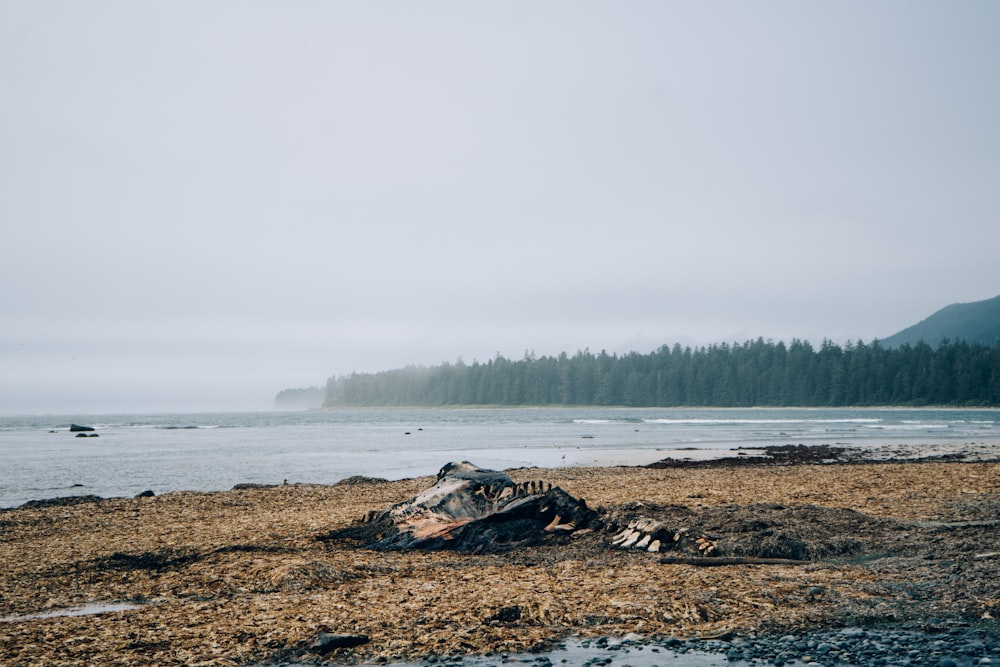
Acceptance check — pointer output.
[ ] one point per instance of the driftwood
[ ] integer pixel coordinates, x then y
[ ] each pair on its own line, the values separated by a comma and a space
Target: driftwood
729, 560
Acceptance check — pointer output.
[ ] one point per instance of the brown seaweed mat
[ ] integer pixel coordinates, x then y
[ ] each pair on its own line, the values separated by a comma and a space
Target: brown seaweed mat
254, 575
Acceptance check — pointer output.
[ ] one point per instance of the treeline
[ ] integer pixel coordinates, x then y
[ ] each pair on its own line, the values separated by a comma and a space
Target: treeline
300, 399
755, 373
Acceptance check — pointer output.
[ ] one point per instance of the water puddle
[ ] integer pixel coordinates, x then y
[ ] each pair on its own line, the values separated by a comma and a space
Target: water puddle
577, 653
85, 610
960, 646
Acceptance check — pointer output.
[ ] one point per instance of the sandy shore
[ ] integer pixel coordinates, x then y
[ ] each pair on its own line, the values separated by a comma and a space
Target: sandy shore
246, 576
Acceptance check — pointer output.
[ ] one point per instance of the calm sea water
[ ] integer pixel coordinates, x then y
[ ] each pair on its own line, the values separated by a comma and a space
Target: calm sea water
41, 458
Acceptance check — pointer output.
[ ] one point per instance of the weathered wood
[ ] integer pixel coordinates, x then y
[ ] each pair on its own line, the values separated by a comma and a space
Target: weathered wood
729, 560
474, 510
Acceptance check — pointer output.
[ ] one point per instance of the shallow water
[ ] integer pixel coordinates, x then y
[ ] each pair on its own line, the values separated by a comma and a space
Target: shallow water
207, 452
951, 644
583, 653
85, 610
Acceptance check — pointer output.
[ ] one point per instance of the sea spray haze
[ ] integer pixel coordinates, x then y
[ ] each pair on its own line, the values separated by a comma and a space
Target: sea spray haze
204, 203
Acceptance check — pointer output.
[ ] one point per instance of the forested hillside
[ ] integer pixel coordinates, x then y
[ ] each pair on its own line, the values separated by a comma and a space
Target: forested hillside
974, 323
755, 373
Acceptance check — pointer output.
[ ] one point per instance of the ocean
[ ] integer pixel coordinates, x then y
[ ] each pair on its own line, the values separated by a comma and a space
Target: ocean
41, 458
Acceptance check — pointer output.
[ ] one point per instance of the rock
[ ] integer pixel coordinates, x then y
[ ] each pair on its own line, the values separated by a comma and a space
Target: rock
145, 494
63, 501
506, 615
326, 642
75, 428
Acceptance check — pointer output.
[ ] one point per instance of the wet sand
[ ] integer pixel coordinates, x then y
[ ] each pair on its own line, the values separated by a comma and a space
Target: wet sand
251, 575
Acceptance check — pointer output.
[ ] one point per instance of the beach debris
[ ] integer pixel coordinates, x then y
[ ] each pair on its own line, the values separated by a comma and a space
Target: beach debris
765, 533
475, 510
360, 480
506, 615
773, 455
729, 560
264, 586
471, 509
651, 535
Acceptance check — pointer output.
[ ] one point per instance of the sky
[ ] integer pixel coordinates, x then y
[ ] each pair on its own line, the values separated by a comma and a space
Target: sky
203, 203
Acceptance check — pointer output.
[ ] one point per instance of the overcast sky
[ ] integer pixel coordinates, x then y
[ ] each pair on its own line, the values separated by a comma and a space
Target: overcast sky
203, 203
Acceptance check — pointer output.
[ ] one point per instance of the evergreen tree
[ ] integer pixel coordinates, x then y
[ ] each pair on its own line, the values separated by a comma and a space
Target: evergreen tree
754, 373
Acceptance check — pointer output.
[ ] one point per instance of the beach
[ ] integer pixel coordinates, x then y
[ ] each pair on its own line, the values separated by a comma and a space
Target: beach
255, 575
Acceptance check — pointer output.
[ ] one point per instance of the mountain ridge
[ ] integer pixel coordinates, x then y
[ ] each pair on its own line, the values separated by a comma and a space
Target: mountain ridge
976, 323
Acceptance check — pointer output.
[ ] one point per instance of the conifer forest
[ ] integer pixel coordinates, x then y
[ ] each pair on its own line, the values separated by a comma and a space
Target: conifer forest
751, 374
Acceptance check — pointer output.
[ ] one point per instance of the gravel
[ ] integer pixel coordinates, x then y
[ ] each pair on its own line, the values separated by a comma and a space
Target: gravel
943, 644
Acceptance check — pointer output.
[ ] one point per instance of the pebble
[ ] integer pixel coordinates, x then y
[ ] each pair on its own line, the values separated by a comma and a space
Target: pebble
957, 646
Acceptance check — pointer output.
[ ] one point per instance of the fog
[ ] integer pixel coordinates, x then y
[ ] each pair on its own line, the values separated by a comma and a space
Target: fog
205, 203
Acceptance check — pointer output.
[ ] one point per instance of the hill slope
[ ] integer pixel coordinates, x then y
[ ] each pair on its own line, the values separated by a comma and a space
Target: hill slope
977, 322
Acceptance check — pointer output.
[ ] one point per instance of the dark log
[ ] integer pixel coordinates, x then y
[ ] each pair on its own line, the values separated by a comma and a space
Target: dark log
730, 560
326, 642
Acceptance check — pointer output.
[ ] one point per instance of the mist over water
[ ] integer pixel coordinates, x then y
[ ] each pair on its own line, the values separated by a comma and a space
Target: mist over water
209, 452
196, 228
